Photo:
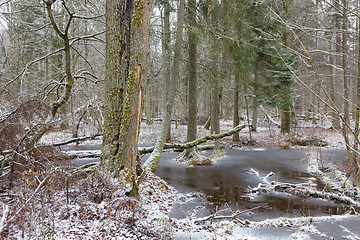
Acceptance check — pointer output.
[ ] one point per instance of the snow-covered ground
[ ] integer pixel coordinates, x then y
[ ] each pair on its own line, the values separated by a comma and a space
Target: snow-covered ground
74, 204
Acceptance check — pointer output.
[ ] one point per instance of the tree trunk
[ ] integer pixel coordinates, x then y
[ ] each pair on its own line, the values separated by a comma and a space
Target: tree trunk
215, 100
192, 79
337, 93
357, 116
346, 87
335, 118
236, 119
166, 55
286, 105
153, 160
118, 24
255, 103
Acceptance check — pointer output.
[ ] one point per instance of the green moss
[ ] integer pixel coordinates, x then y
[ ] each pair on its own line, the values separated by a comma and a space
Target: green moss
138, 13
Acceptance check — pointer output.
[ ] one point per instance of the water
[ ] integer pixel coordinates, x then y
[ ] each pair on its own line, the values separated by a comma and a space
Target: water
225, 184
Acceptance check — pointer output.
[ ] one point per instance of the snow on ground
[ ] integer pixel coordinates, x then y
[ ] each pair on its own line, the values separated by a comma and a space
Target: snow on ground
95, 207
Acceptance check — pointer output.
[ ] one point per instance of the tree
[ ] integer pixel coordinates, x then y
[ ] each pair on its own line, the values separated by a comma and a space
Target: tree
118, 35
154, 158
192, 80
165, 44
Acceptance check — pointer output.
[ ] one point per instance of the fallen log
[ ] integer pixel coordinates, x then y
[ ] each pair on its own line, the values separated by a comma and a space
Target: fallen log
196, 141
306, 191
77, 140
269, 117
142, 151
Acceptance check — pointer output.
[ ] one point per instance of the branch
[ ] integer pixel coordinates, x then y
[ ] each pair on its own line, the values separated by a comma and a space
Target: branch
52, 19
76, 140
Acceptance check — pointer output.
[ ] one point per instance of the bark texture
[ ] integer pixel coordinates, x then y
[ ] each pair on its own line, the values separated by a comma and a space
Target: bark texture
166, 38
192, 79
255, 103
337, 82
357, 117
118, 28
236, 119
287, 105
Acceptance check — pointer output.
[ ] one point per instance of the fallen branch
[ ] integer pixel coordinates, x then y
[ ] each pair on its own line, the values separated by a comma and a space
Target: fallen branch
222, 217
77, 140
297, 221
196, 141
269, 117
307, 191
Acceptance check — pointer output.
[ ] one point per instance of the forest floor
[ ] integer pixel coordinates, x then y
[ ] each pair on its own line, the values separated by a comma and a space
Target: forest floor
76, 203
302, 135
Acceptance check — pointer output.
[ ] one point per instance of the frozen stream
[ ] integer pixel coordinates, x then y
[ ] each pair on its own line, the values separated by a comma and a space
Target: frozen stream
227, 180
203, 189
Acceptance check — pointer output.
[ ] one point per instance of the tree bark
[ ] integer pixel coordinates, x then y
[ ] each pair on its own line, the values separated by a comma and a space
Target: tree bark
255, 103
357, 115
215, 92
154, 158
236, 119
346, 87
337, 82
118, 27
287, 105
166, 38
192, 79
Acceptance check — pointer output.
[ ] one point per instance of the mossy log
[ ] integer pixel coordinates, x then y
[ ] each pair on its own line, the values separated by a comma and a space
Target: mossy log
197, 141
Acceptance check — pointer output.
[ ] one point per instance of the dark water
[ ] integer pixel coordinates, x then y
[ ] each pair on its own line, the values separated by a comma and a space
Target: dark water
223, 185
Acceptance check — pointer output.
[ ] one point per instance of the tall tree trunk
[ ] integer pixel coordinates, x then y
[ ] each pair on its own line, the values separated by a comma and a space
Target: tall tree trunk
215, 96
346, 87
153, 160
236, 119
338, 87
131, 116
255, 103
357, 115
335, 117
166, 55
287, 103
192, 79
118, 24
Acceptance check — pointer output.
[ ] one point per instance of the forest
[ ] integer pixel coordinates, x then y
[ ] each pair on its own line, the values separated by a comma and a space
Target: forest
187, 119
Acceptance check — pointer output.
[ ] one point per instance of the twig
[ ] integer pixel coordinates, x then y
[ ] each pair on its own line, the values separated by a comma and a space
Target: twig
232, 216
3, 226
